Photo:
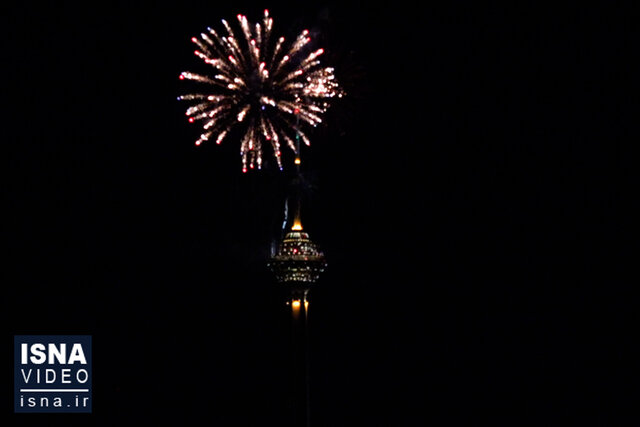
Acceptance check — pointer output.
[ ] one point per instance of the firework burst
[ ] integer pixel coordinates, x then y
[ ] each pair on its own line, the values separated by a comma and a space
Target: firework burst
262, 84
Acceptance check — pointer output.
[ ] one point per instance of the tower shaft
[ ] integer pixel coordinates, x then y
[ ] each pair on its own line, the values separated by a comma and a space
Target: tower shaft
300, 344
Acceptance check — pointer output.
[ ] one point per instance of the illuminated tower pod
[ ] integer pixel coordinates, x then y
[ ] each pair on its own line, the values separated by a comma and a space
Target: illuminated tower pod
298, 264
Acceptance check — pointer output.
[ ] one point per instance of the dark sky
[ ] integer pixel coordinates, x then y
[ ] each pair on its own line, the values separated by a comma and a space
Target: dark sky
469, 195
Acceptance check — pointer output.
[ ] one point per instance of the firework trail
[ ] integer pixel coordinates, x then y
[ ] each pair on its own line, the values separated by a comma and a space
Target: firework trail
262, 84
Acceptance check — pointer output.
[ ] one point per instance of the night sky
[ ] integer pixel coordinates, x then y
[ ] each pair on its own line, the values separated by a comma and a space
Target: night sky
469, 194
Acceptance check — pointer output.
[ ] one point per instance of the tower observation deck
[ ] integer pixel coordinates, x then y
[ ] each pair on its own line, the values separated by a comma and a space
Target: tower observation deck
298, 263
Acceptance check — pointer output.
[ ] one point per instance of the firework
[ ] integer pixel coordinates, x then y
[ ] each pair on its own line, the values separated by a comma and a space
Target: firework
264, 85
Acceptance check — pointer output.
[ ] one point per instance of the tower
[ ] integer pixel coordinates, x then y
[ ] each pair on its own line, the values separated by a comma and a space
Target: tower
297, 264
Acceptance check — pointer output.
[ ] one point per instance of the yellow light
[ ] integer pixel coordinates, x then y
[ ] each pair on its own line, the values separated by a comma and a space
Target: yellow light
306, 305
297, 161
295, 304
297, 225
